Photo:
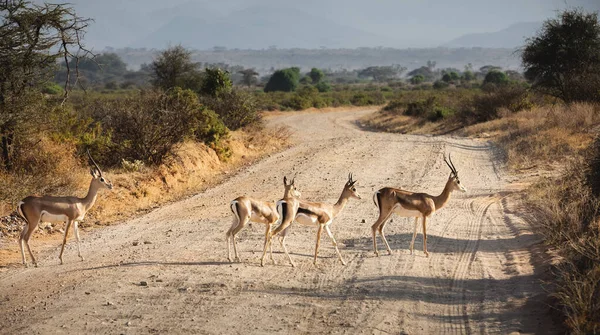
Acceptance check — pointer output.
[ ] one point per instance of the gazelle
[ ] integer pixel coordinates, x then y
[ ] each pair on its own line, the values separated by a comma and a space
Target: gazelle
246, 209
35, 209
410, 204
313, 214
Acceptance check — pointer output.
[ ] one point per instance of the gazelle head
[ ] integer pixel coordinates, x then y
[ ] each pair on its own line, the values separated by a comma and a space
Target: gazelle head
456, 185
290, 189
98, 176
349, 189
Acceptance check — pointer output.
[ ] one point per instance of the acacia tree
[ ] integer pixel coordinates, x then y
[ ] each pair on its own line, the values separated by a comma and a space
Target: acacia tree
32, 39
563, 60
248, 76
174, 67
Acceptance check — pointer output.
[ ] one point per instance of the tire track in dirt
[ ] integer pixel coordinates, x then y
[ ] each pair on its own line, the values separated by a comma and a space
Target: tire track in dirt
190, 287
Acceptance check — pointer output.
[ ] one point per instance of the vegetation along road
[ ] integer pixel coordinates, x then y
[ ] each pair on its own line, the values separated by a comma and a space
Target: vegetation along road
167, 271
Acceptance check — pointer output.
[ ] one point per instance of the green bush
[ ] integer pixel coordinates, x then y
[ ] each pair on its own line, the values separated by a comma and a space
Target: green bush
52, 89
323, 86
420, 108
439, 113
285, 80
147, 126
215, 82
236, 108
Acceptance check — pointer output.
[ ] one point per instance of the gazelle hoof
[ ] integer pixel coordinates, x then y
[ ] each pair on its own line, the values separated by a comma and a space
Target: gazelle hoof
377, 253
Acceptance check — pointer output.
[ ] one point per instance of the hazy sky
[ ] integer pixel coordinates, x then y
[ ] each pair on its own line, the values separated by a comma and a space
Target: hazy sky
407, 23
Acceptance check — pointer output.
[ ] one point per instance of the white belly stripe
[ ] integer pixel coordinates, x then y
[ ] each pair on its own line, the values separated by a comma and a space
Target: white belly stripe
47, 217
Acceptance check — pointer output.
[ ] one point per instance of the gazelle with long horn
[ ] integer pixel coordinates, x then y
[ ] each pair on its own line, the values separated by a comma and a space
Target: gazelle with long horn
410, 204
36, 209
246, 209
315, 214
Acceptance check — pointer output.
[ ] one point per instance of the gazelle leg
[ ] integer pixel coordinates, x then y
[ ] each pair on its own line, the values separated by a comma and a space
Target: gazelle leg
26, 236
234, 233
62, 249
425, 236
268, 238
318, 242
76, 226
22, 242
378, 225
267, 233
282, 242
384, 239
412, 243
334, 243
228, 235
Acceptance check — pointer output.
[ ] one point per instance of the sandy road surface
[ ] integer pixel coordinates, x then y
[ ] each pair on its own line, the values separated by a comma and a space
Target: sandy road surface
479, 277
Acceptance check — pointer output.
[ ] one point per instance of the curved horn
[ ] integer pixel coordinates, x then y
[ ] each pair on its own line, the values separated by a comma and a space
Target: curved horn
453, 167
450, 166
93, 161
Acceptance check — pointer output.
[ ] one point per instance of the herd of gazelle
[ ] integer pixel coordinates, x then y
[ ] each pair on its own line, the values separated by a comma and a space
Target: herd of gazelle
290, 209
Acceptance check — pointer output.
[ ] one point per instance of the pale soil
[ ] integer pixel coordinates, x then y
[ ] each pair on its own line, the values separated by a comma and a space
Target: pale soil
482, 275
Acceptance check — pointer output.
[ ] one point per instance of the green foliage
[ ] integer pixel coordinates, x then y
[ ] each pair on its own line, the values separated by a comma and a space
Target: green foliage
381, 73
285, 80
236, 108
449, 77
52, 89
323, 86
439, 113
489, 105
215, 82
439, 84
249, 77
563, 60
468, 76
496, 77
424, 71
32, 39
173, 67
316, 75
417, 79
147, 126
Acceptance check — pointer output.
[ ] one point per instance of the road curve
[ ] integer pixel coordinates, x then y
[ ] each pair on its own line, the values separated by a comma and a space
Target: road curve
481, 276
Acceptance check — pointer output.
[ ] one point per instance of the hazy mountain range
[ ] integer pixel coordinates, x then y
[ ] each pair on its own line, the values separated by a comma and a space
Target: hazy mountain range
259, 24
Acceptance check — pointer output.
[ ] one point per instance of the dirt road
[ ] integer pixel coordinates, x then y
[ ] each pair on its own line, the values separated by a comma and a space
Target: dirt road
166, 272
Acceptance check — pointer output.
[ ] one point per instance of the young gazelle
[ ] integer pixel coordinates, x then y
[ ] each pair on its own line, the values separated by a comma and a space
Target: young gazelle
409, 204
313, 214
71, 210
246, 209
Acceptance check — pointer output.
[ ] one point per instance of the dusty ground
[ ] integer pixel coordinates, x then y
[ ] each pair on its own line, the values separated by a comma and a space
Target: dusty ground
166, 272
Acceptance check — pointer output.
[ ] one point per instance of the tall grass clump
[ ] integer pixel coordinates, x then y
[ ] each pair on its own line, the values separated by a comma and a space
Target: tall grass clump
568, 210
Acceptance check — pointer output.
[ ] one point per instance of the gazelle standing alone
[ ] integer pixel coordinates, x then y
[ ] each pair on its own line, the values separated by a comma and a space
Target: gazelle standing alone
410, 204
314, 214
246, 209
71, 210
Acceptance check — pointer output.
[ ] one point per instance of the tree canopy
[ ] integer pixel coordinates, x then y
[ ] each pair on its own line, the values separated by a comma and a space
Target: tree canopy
285, 80
563, 60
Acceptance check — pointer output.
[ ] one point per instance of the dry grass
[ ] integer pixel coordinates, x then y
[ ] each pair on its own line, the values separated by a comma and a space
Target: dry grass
567, 210
541, 135
193, 167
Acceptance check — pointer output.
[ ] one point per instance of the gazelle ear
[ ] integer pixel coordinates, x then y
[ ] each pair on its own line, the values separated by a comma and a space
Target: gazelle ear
285, 180
94, 173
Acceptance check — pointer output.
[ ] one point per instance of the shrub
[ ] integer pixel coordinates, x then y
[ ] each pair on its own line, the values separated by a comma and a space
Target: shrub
236, 108
496, 77
52, 89
323, 86
438, 85
487, 106
418, 79
285, 80
147, 126
439, 113
215, 82
420, 108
